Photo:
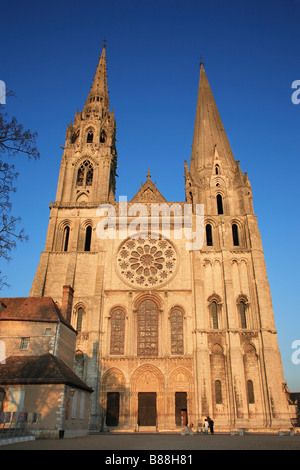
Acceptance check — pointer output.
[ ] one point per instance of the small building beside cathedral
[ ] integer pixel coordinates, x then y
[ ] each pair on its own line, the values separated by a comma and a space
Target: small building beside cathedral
167, 332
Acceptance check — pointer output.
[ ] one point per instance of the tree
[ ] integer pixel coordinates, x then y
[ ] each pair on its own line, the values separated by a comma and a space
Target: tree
14, 141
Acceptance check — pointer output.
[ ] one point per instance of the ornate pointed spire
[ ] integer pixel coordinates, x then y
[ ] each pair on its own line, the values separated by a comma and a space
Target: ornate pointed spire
99, 92
209, 131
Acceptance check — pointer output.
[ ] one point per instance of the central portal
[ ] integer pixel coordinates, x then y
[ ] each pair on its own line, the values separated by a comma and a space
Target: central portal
147, 409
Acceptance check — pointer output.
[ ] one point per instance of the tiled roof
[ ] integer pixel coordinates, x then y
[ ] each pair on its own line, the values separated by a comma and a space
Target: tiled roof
41, 309
45, 369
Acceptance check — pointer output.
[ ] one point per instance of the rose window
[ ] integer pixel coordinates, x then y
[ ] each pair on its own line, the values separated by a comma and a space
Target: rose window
146, 263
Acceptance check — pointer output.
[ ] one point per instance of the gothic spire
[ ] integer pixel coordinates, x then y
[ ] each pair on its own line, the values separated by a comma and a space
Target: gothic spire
209, 133
99, 91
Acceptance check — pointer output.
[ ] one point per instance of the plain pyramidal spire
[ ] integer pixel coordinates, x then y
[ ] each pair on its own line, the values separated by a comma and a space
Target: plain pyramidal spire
209, 132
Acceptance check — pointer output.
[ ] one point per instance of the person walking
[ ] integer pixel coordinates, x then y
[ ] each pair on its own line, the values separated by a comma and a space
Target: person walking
211, 425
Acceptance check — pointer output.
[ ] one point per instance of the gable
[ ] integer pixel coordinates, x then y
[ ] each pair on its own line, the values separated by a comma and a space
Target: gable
148, 193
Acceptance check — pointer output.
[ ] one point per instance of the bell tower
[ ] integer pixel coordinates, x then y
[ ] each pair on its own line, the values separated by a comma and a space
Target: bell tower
88, 167
87, 178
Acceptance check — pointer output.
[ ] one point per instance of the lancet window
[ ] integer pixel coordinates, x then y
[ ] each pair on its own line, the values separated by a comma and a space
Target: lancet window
66, 236
176, 319
209, 238
235, 235
220, 204
88, 238
117, 336
147, 320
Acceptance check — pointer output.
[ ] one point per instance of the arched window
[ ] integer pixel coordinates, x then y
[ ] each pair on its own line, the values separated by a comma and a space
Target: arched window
176, 332
242, 308
250, 392
85, 174
217, 169
214, 314
235, 235
209, 239
218, 392
147, 337
66, 236
220, 204
80, 313
88, 238
90, 137
117, 336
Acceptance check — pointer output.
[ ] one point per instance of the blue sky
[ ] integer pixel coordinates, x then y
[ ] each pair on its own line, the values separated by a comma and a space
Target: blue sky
49, 53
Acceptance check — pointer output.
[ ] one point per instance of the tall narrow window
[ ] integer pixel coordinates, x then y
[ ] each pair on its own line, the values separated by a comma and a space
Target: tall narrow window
218, 392
88, 238
80, 313
176, 332
117, 337
80, 176
209, 239
66, 238
217, 169
250, 392
220, 204
214, 313
147, 329
90, 137
89, 176
235, 235
242, 307
102, 137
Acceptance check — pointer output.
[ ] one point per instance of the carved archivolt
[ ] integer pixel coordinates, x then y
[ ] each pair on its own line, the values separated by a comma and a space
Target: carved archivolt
113, 379
147, 378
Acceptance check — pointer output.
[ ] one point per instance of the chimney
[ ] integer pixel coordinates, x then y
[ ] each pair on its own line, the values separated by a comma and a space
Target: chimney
67, 302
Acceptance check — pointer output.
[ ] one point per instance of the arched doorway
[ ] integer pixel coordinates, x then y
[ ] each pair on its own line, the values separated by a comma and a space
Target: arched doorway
148, 405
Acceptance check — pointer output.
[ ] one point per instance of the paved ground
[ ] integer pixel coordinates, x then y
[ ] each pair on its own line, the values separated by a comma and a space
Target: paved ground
110, 444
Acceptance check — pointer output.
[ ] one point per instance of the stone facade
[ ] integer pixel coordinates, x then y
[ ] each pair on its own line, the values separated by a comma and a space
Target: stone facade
166, 335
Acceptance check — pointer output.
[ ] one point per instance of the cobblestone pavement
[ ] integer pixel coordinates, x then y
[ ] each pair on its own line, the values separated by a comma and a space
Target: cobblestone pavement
110, 444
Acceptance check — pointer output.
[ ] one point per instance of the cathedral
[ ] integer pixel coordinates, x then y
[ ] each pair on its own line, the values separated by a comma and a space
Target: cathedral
167, 332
